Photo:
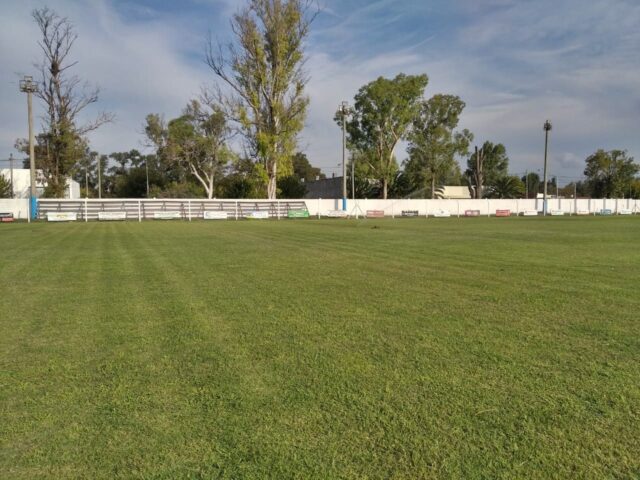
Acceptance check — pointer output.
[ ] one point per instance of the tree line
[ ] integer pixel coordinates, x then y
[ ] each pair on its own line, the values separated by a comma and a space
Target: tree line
239, 138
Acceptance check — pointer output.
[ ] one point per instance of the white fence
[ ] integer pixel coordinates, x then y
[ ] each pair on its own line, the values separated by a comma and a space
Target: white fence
186, 209
191, 209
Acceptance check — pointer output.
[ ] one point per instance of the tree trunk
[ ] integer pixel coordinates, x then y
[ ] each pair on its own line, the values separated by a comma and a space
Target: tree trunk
272, 185
385, 188
433, 188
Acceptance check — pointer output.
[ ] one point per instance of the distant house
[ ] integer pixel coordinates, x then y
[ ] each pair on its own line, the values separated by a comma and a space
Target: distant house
453, 193
22, 183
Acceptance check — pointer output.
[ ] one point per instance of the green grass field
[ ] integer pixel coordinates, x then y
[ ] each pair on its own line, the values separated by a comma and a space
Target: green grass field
453, 348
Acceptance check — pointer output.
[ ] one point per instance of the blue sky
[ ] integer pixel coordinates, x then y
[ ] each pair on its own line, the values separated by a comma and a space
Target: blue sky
514, 62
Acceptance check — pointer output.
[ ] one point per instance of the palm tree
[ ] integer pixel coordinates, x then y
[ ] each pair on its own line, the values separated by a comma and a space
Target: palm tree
506, 187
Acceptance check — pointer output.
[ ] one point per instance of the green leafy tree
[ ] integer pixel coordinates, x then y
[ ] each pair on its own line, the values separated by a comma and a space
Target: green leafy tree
263, 70
246, 180
85, 172
486, 166
198, 142
634, 189
303, 170
506, 187
401, 186
291, 187
532, 184
579, 189
610, 174
383, 114
5, 187
433, 144
365, 185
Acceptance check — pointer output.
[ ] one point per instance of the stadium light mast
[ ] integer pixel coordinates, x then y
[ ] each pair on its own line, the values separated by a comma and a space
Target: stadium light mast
13, 195
547, 128
28, 86
344, 110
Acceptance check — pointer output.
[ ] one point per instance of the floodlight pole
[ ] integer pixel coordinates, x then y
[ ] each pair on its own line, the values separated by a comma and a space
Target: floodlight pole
11, 170
344, 110
29, 87
99, 178
547, 128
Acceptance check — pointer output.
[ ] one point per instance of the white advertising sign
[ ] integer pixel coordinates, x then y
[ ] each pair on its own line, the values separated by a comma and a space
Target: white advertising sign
62, 216
557, 213
167, 215
530, 213
112, 216
442, 214
258, 215
216, 215
625, 211
336, 214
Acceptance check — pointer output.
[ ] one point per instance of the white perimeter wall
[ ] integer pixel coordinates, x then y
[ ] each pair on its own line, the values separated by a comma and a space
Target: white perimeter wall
486, 207
18, 206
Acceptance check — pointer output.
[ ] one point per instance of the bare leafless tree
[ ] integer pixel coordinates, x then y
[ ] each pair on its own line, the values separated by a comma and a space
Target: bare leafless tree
65, 96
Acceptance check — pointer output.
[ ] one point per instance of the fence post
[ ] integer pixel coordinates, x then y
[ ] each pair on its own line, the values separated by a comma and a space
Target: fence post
278, 209
392, 209
488, 208
319, 208
189, 208
139, 211
86, 219
236, 209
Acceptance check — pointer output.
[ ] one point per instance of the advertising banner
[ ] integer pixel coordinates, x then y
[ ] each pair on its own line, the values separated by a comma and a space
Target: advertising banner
298, 214
112, 216
169, 215
62, 216
216, 215
258, 215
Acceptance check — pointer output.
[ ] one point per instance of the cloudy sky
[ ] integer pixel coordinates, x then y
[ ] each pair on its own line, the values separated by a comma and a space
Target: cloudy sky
514, 62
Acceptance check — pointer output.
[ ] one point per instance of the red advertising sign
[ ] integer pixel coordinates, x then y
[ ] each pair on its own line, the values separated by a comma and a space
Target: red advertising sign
375, 213
503, 213
472, 213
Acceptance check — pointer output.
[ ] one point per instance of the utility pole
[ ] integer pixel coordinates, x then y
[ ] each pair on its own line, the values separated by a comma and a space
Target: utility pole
344, 110
11, 170
479, 172
547, 128
29, 87
146, 166
526, 184
353, 179
86, 178
99, 178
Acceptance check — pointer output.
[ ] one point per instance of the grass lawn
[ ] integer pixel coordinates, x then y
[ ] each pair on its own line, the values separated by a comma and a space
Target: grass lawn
452, 348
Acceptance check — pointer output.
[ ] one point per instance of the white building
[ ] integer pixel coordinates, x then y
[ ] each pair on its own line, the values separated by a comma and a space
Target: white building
453, 193
21, 183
